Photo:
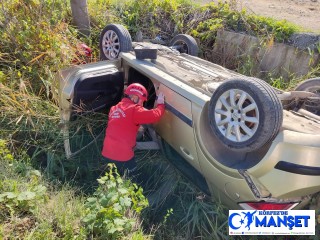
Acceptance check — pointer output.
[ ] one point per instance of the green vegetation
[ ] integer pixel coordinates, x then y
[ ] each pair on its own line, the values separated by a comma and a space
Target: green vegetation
43, 195
30, 206
109, 214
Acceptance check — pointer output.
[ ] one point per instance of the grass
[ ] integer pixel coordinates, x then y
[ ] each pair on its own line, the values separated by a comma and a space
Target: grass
180, 210
49, 211
45, 193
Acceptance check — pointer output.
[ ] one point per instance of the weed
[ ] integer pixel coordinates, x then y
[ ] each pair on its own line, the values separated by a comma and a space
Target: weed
17, 197
61, 214
31, 208
247, 66
180, 210
111, 212
278, 82
37, 40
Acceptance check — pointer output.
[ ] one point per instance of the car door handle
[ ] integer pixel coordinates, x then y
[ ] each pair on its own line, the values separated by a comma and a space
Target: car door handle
186, 153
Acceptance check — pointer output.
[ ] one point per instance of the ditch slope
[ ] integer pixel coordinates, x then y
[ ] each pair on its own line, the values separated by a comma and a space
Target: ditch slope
304, 13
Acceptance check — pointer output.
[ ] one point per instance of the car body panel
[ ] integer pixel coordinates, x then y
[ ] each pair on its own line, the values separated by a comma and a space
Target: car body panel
176, 126
291, 147
150, 69
68, 78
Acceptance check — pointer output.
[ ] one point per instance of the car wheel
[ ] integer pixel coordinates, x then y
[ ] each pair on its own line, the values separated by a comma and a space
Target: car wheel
311, 85
245, 114
114, 39
185, 44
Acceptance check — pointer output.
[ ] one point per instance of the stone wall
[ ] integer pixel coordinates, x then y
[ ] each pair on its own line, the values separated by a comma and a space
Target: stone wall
278, 58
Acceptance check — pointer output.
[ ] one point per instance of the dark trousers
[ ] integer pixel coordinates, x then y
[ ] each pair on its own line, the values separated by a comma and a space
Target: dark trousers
126, 167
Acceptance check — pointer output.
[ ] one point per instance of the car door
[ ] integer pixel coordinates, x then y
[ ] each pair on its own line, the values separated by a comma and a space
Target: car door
96, 90
86, 89
176, 126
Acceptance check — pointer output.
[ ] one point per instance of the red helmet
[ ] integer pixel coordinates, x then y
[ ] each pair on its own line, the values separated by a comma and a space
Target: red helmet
137, 89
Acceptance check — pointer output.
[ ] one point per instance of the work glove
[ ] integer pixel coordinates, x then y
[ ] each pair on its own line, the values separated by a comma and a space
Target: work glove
160, 98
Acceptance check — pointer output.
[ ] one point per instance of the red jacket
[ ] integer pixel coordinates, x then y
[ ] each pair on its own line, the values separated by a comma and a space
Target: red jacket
123, 124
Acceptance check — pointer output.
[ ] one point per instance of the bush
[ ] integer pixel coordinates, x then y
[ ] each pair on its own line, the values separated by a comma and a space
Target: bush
112, 211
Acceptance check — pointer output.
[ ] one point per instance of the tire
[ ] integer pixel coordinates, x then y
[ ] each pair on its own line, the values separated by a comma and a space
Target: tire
245, 114
185, 44
114, 39
311, 85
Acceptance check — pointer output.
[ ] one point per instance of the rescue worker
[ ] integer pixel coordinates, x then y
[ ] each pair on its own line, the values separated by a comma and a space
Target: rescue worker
123, 124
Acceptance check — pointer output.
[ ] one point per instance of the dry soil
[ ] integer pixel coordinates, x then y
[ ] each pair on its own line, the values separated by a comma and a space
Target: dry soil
304, 13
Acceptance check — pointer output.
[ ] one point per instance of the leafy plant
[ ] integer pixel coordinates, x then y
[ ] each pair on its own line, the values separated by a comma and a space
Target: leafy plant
24, 201
18, 197
5, 154
112, 211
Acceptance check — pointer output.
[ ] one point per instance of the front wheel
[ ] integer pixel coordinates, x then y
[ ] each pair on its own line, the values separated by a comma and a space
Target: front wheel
114, 39
245, 114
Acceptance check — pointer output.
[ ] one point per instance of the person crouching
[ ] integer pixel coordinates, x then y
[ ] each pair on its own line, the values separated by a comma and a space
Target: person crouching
124, 121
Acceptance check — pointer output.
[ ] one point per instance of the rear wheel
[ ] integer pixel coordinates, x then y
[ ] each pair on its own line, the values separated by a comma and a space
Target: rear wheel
245, 114
114, 39
185, 44
311, 85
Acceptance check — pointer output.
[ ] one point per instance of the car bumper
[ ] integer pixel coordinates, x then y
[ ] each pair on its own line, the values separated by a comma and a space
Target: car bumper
291, 167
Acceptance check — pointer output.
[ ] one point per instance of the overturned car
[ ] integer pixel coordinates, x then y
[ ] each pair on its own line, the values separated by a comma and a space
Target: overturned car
237, 138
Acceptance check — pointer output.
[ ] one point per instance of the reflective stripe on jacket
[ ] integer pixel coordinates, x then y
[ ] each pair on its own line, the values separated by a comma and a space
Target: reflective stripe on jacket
123, 124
